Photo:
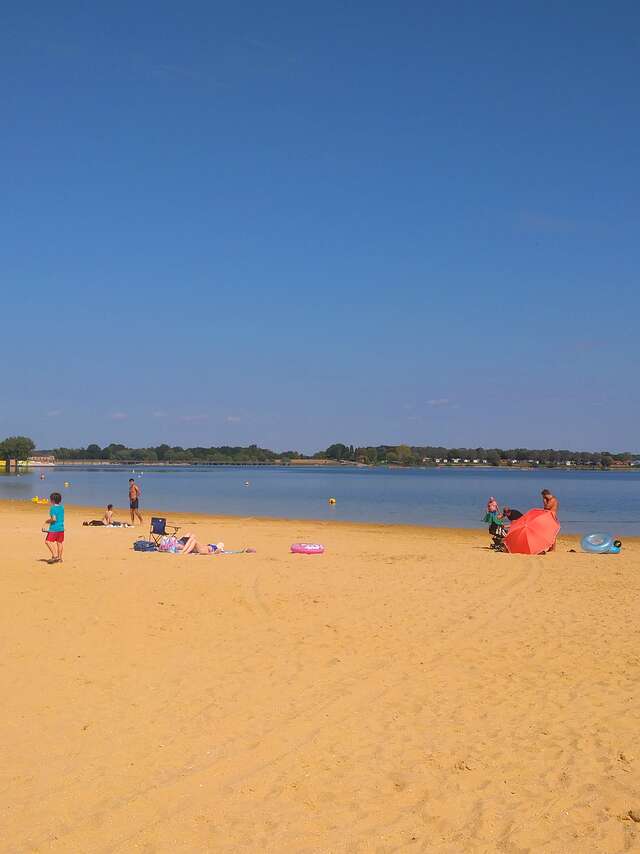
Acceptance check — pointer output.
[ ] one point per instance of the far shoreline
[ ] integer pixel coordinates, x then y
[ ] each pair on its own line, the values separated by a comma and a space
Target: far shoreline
322, 464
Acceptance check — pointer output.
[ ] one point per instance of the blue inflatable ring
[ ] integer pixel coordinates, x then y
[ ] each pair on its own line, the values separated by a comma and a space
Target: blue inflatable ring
597, 543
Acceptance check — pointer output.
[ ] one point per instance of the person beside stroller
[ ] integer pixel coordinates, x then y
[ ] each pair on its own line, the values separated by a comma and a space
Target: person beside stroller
510, 514
493, 510
499, 525
493, 519
500, 528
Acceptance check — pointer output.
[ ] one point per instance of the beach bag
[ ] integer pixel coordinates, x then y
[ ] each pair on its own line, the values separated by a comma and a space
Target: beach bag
144, 546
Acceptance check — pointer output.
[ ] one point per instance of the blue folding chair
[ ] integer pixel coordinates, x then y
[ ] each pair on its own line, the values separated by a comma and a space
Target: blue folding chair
159, 529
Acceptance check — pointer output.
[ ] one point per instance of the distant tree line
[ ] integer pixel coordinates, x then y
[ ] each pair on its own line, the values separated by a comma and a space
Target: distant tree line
20, 447
173, 454
417, 455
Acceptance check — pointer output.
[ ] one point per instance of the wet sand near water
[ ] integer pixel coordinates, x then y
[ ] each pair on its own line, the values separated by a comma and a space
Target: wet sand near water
409, 690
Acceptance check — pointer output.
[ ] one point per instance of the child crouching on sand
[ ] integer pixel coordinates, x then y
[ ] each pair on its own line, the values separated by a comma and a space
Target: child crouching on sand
55, 532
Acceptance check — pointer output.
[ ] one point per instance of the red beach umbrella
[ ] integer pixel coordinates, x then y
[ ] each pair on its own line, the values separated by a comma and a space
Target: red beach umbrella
532, 533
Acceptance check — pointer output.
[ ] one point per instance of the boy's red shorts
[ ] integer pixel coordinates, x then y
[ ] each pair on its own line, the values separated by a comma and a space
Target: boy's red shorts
55, 537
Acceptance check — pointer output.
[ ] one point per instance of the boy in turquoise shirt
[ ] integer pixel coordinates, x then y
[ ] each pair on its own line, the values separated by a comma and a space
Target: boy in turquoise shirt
55, 534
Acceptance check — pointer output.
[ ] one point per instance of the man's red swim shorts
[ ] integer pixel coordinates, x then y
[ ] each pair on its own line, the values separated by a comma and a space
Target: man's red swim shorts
55, 537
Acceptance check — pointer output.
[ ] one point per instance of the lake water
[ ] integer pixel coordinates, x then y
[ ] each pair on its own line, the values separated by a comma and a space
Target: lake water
589, 501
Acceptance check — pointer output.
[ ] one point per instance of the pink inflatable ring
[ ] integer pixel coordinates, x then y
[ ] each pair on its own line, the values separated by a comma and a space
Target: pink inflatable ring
307, 549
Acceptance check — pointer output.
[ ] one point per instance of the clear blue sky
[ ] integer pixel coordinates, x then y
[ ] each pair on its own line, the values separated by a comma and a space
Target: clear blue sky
296, 223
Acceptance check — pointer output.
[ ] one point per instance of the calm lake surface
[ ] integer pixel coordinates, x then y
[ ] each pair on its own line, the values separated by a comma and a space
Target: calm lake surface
589, 501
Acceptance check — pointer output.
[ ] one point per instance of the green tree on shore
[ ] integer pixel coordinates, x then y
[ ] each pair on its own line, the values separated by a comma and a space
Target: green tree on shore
16, 448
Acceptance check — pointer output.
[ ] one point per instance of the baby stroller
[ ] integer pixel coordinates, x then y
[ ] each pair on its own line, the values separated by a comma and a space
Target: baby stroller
498, 532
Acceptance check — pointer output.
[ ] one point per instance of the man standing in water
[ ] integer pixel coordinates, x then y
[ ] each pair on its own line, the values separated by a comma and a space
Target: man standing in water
550, 503
134, 499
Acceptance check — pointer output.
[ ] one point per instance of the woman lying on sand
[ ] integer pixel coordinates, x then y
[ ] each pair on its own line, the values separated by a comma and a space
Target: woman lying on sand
188, 545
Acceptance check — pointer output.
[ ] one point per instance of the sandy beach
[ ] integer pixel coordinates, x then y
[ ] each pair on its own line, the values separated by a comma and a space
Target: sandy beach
409, 690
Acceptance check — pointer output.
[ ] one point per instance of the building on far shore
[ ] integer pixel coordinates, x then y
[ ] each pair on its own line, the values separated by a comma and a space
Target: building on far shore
41, 458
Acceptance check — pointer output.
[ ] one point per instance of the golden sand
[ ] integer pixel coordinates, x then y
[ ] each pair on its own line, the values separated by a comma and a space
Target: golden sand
408, 691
